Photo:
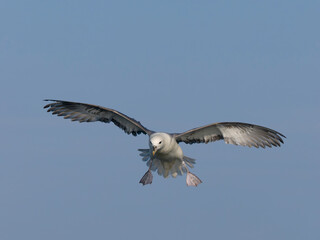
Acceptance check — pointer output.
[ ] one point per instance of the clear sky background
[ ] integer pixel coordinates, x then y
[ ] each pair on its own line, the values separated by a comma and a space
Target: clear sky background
173, 65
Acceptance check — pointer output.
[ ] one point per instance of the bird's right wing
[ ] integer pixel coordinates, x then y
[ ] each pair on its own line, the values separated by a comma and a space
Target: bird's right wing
83, 112
233, 133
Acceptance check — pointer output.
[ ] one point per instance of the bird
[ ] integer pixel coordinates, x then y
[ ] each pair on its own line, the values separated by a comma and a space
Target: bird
164, 154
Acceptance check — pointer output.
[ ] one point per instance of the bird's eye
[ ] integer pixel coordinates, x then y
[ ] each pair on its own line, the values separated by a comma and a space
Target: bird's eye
160, 142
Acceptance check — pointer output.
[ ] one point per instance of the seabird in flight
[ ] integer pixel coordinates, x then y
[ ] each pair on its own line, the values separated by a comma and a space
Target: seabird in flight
164, 154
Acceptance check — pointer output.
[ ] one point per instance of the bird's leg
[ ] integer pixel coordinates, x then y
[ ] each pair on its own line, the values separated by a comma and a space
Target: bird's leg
192, 180
147, 177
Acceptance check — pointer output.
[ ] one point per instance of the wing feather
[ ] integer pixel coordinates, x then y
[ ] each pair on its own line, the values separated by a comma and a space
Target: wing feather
236, 133
83, 112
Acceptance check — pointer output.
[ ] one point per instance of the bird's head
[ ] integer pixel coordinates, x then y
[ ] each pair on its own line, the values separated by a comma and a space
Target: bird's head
158, 142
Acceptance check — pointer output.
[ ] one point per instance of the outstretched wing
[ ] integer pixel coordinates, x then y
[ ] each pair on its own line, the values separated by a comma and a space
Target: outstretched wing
232, 133
82, 112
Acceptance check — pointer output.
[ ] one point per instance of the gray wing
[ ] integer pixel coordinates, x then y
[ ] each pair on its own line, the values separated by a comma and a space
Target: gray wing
83, 112
232, 133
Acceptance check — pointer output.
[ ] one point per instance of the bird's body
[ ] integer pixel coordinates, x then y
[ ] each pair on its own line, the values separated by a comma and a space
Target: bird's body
164, 154
168, 158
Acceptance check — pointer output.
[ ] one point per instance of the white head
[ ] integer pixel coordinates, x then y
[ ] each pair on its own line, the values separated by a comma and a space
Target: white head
159, 142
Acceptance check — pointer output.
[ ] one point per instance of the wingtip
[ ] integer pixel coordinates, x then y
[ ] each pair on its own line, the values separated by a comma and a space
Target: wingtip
281, 135
48, 105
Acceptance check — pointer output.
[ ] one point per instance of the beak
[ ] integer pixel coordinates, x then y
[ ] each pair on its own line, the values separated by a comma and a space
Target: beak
154, 151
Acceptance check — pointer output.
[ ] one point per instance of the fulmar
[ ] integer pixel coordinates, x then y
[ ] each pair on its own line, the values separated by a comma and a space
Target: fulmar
164, 154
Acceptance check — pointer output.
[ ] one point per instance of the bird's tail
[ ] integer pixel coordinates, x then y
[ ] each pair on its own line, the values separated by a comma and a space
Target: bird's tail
145, 154
189, 161
166, 168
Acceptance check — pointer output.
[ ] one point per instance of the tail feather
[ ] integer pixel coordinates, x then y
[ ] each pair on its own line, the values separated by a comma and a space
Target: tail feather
145, 158
189, 161
145, 154
167, 168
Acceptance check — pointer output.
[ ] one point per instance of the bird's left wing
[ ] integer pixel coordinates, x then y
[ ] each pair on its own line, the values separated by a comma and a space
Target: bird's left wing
233, 133
83, 112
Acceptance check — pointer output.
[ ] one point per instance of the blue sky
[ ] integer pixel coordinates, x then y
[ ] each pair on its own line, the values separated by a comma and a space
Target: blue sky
173, 65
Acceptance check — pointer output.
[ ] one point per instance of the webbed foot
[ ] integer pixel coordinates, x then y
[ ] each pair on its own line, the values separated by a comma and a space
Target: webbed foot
192, 180
147, 178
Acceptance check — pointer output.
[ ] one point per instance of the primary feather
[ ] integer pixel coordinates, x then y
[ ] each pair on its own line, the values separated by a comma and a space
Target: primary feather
236, 133
83, 112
